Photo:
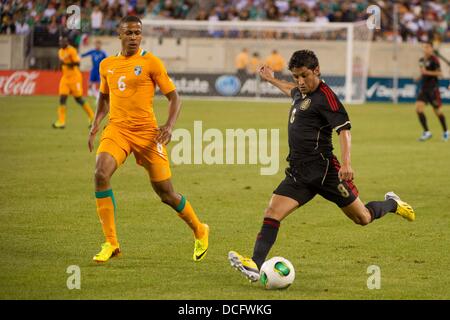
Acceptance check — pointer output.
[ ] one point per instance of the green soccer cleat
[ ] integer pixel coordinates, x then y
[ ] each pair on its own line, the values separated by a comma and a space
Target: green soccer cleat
201, 245
244, 265
403, 209
108, 251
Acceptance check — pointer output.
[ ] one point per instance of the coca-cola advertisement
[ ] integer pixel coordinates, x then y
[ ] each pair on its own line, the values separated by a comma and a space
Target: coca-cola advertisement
32, 82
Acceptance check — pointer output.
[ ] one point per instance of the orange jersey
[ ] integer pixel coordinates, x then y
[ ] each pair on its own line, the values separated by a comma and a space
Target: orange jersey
275, 62
241, 60
69, 55
131, 83
254, 65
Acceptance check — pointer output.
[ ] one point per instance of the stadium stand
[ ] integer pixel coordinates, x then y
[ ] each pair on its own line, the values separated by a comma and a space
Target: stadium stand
420, 20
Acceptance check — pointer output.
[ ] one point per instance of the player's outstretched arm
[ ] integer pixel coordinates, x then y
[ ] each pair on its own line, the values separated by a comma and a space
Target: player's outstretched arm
436, 73
100, 114
87, 54
165, 131
345, 140
286, 87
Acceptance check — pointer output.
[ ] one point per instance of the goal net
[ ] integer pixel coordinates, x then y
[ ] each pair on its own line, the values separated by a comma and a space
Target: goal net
201, 55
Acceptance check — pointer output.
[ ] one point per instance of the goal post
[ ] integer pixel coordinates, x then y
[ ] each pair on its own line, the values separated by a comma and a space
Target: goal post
210, 47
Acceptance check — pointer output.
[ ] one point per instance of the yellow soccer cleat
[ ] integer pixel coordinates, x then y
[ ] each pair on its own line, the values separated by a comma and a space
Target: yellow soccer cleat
108, 251
244, 265
403, 209
58, 125
201, 245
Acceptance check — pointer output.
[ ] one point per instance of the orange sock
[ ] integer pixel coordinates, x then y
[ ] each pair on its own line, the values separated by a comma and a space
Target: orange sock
105, 210
187, 213
88, 110
62, 114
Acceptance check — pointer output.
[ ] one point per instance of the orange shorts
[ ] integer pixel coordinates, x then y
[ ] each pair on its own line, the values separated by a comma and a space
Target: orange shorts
73, 86
120, 142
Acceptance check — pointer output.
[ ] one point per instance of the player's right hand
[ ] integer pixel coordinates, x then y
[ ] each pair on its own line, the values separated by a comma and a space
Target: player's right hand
266, 73
92, 134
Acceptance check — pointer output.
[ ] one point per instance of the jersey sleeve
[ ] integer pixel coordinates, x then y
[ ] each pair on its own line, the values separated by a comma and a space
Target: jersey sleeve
159, 74
87, 53
435, 65
74, 56
333, 111
104, 88
295, 93
421, 63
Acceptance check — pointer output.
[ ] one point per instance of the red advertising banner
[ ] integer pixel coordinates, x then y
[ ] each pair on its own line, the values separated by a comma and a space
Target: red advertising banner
33, 82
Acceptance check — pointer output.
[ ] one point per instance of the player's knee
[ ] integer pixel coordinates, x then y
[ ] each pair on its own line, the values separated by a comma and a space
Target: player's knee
270, 212
62, 100
169, 198
79, 100
438, 111
363, 220
101, 177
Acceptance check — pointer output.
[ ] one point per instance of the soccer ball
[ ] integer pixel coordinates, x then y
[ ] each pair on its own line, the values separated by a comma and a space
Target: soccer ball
277, 273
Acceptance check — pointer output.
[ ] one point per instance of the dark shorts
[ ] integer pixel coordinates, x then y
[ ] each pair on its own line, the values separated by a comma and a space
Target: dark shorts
320, 176
431, 96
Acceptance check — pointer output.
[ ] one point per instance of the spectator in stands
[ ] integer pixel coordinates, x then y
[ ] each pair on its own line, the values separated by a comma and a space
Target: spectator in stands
53, 27
7, 26
96, 20
420, 20
22, 26
254, 64
111, 23
276, 62
202, 15
292, 16
321, 17
49, 12
241, 63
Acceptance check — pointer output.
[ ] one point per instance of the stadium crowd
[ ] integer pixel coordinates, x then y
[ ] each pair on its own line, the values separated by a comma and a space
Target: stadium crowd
420, 20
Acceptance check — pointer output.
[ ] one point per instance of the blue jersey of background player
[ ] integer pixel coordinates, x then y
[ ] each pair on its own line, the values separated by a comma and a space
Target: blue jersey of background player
97, 55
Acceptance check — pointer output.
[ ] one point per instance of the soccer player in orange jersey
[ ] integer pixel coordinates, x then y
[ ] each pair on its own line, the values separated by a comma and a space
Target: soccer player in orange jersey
127, 86
71, 82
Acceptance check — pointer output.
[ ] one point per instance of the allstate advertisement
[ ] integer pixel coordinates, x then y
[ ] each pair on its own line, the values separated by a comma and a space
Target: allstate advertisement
230, 85
35, 82
380, 89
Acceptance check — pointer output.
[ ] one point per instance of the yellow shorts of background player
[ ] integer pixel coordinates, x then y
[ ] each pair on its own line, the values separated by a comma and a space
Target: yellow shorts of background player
120, 142
71, 86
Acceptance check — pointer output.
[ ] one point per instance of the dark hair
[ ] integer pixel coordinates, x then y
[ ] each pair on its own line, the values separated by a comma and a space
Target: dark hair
428, 42
303, 58
127, 19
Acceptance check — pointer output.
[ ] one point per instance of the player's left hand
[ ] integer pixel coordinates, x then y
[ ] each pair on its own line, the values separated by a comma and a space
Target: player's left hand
346, 173
164, 135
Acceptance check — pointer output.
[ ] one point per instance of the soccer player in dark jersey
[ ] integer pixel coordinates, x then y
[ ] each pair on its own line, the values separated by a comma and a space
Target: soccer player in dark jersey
313, 169
430, 70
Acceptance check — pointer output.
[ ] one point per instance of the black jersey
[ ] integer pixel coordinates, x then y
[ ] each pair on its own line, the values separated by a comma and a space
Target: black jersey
430, 64
311, 121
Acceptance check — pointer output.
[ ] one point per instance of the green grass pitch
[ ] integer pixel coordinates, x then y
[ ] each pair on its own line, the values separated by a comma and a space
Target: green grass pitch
48, 219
